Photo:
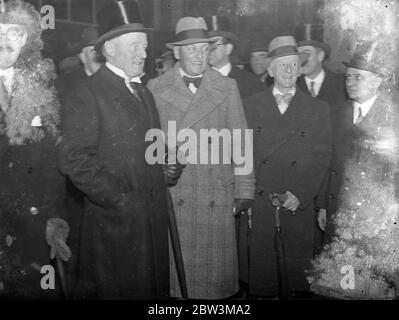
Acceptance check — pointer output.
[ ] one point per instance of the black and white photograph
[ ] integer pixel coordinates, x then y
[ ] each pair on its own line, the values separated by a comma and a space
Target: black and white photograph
216, 153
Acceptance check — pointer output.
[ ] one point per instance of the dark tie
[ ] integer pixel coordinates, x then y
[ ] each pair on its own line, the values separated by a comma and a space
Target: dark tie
283, 99
137, 90
312, 89
195, 81
359, 116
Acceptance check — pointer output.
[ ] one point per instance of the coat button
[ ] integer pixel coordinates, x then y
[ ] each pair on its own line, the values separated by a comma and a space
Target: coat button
261, 192
180, 202
264, 161
293, 163
259, 129
29, 170
212, 203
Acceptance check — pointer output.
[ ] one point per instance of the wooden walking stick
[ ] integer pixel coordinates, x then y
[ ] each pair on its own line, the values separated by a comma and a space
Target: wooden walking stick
283, 286
177, 254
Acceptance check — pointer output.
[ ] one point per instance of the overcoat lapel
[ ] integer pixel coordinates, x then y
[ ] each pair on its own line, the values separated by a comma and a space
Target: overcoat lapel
124, 98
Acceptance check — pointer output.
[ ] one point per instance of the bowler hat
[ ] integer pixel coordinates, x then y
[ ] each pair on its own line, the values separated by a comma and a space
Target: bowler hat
219, 26
368, 56
284, 46
118, 18
88, 38
190, 30
312, 35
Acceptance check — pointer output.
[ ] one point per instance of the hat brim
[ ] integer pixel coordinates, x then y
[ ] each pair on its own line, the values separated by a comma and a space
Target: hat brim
225, 34
314, 43
302, 55
118, 31
369, 68
171, 45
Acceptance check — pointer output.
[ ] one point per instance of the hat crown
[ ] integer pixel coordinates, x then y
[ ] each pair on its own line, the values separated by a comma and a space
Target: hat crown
117, 14
190, 23
282, 41
309, 31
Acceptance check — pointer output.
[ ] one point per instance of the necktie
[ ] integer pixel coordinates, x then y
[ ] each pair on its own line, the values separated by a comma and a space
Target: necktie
312, 89
283, 99
3, 95
137, 90
359, 116
195, 81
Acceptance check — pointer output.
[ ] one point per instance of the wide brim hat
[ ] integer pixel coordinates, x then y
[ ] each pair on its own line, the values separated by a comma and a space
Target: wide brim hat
219, 26
88, 38
369, 57
285, 46
312, 35
117, 19
190, 30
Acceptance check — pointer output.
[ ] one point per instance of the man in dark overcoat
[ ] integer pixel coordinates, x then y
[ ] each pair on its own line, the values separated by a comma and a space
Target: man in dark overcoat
292, 150
224, 46
365, 131
124, 233
32, 190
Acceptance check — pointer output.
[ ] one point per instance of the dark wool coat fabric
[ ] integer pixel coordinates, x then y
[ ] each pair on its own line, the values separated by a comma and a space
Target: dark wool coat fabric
291, 152
124, 233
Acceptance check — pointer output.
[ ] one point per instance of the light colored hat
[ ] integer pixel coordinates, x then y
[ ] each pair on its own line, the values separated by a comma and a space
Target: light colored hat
285, 46
190, 30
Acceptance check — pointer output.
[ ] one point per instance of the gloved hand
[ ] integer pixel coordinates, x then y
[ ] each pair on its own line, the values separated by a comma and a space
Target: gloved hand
292, 202
57, 231
242, 205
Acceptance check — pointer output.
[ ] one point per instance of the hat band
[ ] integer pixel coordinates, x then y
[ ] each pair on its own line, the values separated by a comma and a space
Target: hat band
283, 51
191, 34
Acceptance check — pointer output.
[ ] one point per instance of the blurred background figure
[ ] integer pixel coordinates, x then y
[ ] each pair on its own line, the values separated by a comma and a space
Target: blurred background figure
222, 55
164, 62
258, 62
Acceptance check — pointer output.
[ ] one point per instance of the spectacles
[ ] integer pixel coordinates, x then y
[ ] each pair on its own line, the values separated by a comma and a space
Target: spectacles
13, 34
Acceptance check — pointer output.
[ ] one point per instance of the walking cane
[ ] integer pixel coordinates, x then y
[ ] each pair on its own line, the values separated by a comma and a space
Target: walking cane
177, 254
283, 287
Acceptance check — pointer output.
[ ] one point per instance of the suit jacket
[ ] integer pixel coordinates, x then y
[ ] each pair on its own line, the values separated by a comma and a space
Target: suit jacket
248, 83
204, 195
124, 233
332, 89
291, 153
361, 145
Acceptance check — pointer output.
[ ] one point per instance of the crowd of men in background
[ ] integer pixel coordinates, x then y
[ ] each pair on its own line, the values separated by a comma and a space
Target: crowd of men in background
113, 231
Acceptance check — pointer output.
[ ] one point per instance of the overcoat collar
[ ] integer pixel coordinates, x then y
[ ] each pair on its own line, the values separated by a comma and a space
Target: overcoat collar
196, 106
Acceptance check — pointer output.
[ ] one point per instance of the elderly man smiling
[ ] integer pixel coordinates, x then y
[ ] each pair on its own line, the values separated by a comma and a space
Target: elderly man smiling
292, 150
124, 234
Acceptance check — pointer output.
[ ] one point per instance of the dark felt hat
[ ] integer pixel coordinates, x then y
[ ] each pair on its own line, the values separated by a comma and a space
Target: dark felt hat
219, 26
88, 38
312, 35
118, 18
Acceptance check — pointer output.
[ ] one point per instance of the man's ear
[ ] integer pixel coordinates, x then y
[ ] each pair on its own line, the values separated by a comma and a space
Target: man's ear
176, 52
82, 57
109, 48
321, 55
229, 48
270, 70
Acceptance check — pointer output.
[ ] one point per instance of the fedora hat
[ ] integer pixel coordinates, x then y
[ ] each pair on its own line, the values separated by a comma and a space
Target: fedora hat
89, 37
369, 56
312, 35
190, 30
219, 27
118, 18
284, 46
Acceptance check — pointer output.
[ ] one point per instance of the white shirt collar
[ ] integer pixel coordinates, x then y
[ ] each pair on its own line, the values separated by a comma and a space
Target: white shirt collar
225, 70
277, 91
365, 107
8, 75
185, 74
318, 80
122, 74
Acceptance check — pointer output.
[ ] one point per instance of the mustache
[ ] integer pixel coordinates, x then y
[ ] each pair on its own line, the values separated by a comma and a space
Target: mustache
7, 49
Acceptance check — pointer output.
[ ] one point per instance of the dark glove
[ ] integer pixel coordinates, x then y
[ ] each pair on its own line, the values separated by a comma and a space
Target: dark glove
172, 173
57, 231
242, 205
